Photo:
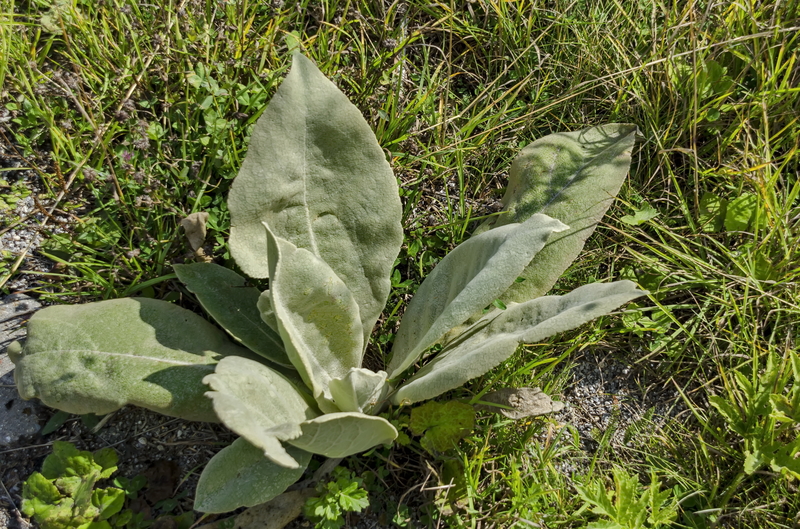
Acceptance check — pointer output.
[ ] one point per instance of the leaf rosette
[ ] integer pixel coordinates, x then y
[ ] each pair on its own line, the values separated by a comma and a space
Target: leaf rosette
316, 209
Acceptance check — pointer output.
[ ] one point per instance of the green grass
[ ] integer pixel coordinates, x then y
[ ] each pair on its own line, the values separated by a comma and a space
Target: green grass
134, 116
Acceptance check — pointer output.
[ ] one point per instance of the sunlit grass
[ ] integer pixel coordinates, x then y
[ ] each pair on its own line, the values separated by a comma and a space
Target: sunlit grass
135, 115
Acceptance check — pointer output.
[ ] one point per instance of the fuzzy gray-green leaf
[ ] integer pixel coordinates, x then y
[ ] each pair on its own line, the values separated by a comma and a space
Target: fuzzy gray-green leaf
343, 434
317, 316
98, 357
468, 279
225, 295
315, 173
570, 176
264, 306
360, 390
259, 404
240, 476
494, 342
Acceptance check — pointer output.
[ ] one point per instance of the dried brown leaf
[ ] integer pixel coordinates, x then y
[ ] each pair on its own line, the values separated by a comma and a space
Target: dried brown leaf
195, 227
517, 403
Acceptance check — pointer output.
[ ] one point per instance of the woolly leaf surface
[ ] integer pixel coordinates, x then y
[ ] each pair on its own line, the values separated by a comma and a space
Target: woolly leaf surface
98, 357
315, 173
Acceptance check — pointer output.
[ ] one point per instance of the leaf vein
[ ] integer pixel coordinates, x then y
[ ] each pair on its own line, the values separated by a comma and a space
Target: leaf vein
133, 356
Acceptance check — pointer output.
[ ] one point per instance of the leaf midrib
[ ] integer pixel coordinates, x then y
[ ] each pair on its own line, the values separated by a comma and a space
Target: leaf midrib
311, 236
132, 356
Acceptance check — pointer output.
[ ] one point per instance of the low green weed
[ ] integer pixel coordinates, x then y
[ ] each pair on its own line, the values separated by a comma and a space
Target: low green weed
65, 495
342, 494
764, 410
11, 194
629, 505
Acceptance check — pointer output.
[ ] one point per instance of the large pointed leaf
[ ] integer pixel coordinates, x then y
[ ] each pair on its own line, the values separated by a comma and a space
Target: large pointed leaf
98, 357
316, 174
227, 298
240, 476
570, 176
344, 434
519, 323
317, 316
259, 404
468, 279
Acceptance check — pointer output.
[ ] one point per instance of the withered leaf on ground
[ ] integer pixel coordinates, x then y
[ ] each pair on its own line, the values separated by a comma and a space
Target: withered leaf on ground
163, 477
275, 514
517, 403
195, 227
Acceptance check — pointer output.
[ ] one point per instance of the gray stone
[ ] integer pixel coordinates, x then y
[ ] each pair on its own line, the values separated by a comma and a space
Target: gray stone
17, 417
15, 310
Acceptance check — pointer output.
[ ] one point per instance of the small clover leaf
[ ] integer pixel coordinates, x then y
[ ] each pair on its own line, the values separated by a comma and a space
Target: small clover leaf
442, 425
108, 501
640, 216
39, 495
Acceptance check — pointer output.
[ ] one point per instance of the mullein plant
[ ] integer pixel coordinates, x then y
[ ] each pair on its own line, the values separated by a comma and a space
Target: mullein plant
315, 208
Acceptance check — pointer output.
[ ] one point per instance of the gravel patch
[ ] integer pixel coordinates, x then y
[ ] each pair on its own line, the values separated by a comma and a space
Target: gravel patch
611, 398
14, 313
20, 227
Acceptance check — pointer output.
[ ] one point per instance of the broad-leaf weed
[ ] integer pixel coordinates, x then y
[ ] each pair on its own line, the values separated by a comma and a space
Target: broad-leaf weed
629, 505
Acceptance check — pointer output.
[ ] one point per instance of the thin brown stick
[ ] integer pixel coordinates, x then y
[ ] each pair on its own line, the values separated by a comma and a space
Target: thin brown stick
20, 519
